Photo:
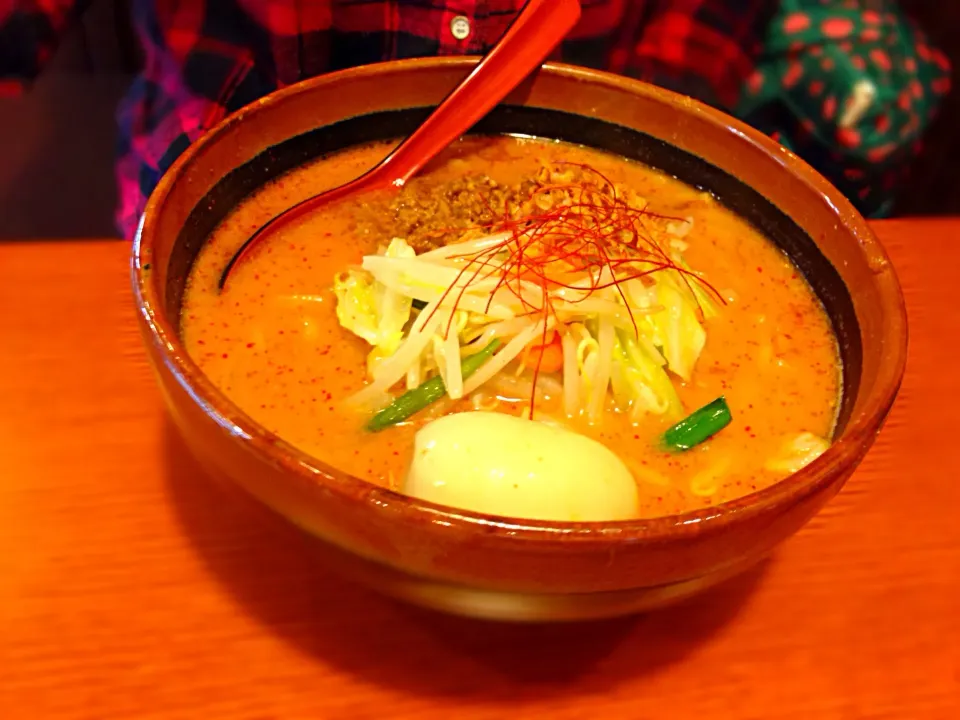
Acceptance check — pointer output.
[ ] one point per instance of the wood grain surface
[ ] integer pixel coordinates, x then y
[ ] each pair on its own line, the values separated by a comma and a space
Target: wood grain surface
133, 587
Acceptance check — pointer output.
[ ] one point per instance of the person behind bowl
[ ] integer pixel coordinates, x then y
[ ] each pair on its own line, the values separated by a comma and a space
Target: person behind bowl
204, 59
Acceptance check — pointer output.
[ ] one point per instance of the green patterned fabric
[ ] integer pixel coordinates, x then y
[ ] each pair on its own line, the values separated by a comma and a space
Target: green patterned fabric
850, 85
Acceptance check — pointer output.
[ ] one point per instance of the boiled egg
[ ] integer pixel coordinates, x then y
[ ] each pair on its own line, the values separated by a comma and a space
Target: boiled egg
499, 464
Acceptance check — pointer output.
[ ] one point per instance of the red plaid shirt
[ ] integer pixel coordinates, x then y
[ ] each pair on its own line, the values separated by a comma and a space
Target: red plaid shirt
206, 58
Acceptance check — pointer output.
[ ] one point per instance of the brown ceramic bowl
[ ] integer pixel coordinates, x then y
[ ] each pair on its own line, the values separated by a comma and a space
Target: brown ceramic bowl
494, 567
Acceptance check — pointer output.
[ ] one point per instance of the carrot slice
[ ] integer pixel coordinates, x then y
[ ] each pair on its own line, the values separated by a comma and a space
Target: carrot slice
548, 356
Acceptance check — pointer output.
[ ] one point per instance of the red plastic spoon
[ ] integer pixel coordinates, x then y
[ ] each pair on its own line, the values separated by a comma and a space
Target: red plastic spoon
536, 31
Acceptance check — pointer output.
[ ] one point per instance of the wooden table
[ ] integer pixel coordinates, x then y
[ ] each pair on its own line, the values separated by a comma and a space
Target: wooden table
131, 587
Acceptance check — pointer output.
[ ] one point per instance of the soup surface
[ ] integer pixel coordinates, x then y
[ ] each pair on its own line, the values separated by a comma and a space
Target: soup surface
272, 342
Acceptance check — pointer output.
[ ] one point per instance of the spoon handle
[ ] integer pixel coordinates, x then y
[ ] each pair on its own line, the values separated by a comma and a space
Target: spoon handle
536, 31
539, 28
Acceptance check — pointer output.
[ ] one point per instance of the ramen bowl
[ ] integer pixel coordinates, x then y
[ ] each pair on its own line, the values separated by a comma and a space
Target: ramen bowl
494, 567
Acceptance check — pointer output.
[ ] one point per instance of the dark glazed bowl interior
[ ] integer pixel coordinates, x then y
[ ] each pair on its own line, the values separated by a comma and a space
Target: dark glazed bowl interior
548, 124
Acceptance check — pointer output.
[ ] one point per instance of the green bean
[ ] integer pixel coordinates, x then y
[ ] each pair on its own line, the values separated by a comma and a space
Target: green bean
428, 392
698, 426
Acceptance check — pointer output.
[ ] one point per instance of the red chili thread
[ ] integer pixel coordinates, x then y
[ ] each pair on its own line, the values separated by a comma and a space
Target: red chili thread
597, 236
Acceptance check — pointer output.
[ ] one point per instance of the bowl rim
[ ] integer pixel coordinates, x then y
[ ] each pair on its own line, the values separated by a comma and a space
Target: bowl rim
844, 452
